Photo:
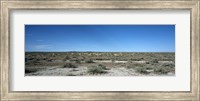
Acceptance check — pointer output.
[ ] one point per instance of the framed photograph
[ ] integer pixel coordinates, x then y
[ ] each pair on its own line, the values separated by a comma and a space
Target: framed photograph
100, 50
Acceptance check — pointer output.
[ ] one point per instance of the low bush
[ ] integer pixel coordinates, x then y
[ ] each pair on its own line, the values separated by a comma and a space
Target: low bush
147, 63
89, 61
163, 70
135, 65
99, 59
168, 65
66, 58
78, 61
136, 59
99, 69
142, 70
113, 60
154, 61
70, 74
102, 66
69, 65
30, 70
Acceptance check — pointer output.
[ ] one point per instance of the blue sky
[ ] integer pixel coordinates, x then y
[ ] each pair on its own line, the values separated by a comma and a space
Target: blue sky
101, 38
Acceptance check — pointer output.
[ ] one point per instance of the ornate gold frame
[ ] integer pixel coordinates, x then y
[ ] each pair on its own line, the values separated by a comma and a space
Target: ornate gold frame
8, 5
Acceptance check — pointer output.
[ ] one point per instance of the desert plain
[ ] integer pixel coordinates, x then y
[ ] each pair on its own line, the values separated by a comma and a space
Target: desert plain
99, 64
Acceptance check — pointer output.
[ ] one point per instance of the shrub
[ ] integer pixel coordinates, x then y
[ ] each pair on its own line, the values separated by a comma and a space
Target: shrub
168, 65
97, 69
130, 66
135, 65
154, 61
135, 59
142, 70
49, 60
147, 62
162, 70
149, 68
30, 70
66, 58
69, 65
70, 74
103, 67
89, 61
99, 59
113, 60
78, 61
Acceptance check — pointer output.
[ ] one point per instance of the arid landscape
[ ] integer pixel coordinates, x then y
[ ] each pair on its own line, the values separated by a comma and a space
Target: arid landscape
100, 50
99, 64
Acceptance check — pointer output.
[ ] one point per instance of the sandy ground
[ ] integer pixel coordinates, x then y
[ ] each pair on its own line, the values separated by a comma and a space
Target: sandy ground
82, 71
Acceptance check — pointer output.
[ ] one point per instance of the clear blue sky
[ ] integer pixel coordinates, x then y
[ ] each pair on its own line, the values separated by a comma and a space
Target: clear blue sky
102, 38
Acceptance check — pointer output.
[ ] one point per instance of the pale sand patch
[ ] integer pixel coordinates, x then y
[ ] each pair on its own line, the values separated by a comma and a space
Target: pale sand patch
139, 61
165, 61
121, 61
103, 61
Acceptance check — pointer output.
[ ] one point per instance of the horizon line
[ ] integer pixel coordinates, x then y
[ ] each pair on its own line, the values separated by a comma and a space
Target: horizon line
108, 51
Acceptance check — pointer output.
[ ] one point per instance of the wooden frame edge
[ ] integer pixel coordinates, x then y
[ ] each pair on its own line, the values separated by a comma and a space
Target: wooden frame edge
6, 95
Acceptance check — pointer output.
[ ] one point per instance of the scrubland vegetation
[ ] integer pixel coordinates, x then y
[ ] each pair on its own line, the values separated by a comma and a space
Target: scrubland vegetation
99, 64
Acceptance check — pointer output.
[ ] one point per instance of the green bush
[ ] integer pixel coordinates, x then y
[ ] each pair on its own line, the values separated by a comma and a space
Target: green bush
69, 65
168, 65
97, 69
142, 70
154, 61
135, 65
66, 58
78, 61
30, 70
102, 66
162, 70
147, 63
89, 61
136, 59
70, 74
113, 60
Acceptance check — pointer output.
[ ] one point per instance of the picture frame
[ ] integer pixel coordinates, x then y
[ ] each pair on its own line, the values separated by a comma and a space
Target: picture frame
7, 6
